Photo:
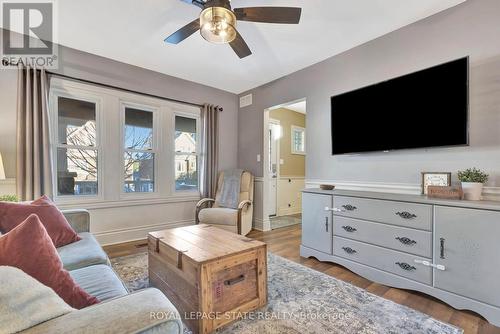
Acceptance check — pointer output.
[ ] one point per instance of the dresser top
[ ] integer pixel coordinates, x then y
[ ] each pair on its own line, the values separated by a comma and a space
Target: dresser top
482, 205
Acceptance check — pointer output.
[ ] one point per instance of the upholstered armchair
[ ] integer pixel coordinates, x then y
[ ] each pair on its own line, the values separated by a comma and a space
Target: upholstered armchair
238, 220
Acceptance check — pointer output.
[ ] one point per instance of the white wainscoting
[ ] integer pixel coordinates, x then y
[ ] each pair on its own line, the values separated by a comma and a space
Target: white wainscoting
260, 222
289, 195
489, 193
8, 187
115, 224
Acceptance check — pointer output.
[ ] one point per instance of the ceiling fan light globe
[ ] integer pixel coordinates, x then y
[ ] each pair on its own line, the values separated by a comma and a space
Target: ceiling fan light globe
218, 25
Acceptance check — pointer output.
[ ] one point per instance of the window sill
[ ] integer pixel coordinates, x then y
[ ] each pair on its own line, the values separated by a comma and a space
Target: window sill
103, 204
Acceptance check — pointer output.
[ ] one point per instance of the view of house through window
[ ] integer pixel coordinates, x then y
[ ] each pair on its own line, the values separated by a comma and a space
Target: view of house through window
139, 156
186, 155
76, 147
113, 145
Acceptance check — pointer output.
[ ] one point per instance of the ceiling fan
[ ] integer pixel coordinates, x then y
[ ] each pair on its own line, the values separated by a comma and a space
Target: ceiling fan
217, 22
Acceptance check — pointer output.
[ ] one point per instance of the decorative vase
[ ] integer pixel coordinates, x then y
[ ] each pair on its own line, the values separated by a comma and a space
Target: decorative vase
472, 190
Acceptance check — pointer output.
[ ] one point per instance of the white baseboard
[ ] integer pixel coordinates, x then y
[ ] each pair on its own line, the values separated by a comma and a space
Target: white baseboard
289, 211
135, 233
262, 225
489, 193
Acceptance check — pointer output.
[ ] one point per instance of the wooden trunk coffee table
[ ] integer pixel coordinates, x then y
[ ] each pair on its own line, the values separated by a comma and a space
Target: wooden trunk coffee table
212, 276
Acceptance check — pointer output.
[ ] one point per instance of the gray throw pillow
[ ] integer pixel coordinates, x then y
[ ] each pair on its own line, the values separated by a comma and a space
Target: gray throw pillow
25, 302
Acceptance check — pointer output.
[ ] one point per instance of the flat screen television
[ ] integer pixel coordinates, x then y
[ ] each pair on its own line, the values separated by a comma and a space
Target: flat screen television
424, 109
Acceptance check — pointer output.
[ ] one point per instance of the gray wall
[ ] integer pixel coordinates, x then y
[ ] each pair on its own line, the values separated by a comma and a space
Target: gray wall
8, 101
87, 66
472, 28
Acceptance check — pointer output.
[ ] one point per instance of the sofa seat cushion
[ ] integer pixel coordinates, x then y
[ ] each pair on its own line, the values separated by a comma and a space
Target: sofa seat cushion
83, 253
219, 216
99, 281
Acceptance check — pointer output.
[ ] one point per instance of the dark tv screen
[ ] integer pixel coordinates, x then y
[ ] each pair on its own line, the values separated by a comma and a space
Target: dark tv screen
424, 109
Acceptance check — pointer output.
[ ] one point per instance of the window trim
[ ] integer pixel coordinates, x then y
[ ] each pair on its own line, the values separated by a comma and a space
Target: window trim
80, 95
295, 128
196, 117
110, 144
155, 149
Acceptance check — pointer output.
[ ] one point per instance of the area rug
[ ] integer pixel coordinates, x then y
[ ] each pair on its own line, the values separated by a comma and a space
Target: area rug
302, 300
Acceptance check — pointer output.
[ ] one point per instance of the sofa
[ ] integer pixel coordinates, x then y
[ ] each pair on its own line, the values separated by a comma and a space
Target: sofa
119, 311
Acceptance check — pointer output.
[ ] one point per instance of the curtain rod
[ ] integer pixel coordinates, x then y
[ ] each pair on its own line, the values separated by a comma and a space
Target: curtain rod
5, 62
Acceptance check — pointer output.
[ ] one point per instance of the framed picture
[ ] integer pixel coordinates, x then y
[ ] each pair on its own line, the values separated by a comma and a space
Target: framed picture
442, 179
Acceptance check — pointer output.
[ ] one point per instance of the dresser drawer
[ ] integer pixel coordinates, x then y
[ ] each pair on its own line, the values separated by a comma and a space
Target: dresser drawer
398, 238
384, 259
412, 215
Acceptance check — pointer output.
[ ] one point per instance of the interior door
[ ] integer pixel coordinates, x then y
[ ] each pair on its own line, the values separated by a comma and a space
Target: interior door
274, 129
466, 243
317, 222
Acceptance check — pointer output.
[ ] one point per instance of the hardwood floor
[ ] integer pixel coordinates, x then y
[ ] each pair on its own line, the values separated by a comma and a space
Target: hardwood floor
286, 241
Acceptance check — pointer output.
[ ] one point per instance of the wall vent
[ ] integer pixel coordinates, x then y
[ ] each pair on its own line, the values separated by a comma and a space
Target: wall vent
246, 101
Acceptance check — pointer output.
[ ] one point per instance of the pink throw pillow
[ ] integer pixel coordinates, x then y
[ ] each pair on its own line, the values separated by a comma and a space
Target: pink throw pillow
58, 228
29, 248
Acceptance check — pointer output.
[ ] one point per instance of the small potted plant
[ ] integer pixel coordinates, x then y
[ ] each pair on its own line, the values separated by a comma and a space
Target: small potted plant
473, 180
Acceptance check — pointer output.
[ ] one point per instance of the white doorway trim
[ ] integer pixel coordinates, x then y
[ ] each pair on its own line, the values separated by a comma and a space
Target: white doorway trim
266, 223
274, 154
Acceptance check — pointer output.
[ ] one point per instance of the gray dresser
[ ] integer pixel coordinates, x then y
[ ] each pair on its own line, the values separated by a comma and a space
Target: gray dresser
444, 248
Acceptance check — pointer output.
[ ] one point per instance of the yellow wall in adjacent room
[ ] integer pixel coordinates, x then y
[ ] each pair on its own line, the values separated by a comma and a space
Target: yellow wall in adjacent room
294, 164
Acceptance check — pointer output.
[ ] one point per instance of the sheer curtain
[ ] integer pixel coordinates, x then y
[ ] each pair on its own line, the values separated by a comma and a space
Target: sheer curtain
210, 150
34, 163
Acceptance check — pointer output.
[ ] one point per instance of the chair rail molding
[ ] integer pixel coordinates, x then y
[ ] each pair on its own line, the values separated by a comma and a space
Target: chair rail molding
489, 193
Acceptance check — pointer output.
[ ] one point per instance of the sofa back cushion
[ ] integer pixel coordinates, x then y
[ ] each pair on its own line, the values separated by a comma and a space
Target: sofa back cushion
58, 228
25, 302
29, 248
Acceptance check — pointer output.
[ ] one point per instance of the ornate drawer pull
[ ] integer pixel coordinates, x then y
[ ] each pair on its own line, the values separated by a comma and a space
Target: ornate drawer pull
349, 229
406, 266
406, 241
349, 250
406, 215
349, 207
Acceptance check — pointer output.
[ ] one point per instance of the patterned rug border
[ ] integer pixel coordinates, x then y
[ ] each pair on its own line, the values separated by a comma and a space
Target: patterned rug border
299, 268
319, 273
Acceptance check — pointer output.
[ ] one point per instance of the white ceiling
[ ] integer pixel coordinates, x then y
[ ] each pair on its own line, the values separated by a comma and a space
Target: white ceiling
133, 31
299, 107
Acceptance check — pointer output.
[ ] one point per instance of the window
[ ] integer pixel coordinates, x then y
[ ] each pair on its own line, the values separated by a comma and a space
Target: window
186, 153
139, 155
298, 140
111, 146
77, 147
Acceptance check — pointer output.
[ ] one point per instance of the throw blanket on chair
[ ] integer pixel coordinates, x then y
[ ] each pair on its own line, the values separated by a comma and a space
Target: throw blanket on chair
230, 192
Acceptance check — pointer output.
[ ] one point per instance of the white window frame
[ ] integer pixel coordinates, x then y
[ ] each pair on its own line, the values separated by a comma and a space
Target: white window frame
196, 117
54, 121
110, 145
154, 149
295, 129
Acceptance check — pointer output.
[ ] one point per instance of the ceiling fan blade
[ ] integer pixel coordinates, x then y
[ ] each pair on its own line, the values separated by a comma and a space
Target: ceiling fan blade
197, 3
289, 15
240, 47
184, 32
